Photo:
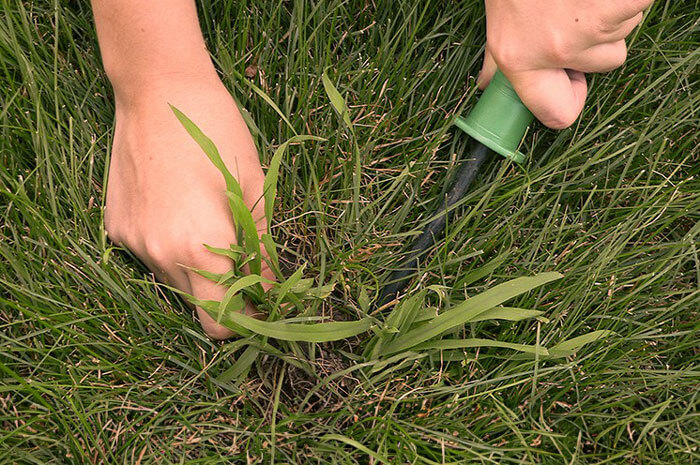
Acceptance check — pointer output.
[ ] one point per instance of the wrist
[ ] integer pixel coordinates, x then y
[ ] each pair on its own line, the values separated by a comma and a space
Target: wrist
132, 85
144, 45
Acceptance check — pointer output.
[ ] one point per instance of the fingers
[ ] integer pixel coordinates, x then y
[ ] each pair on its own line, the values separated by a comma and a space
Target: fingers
625, 28
487, 70
601, 58
158, 258
206, 289
169, 264
555, 96
621, 10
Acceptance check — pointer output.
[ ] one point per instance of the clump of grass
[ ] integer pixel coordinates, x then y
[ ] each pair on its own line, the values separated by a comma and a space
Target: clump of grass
410, 330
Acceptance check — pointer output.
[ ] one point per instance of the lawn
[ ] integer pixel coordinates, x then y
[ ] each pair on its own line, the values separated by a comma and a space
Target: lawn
100, 364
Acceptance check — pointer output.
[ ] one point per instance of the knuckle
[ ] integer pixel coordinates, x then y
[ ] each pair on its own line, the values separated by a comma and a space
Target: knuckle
159, 252
506, 55
253, 188
560, 50
602, 28
255, 177
184, 243
110, 223
191, 249
193, 252
642, 5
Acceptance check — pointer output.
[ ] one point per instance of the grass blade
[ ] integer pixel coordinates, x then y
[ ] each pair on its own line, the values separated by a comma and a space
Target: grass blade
239, 285
337, 100
356, 445
210, 150
244, 219
316, 332
507, 313
272, 175
476, 342
466, 311
271, 249
239, 370
286, 286
570, 346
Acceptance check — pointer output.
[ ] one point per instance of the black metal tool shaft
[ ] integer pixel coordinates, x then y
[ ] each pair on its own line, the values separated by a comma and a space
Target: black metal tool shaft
434, 231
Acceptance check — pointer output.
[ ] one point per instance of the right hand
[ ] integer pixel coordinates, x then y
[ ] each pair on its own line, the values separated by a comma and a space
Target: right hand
165, 198
544, 47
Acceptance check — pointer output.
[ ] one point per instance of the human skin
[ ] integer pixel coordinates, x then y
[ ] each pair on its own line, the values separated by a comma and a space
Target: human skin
165, 199
544, 47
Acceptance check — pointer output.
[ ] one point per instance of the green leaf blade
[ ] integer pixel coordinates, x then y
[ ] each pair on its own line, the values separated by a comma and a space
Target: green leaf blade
452, 344
337, 100
209, 148
468, 310
316, 332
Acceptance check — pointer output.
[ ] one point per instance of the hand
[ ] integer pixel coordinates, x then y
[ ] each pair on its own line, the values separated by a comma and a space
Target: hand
544, 47
165, 198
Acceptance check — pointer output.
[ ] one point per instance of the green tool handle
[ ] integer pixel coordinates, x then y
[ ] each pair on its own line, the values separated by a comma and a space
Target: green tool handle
499, 119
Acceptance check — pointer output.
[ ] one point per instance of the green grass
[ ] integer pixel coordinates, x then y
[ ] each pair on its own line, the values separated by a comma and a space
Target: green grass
98, 364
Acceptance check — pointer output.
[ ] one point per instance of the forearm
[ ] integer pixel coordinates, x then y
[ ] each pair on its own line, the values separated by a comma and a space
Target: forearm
143, 42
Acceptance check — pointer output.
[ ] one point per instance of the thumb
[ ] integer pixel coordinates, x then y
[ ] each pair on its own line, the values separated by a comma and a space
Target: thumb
488, 69
555, 96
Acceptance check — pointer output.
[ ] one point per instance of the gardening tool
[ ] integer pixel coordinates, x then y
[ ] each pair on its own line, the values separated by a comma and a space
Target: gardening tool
497, 123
